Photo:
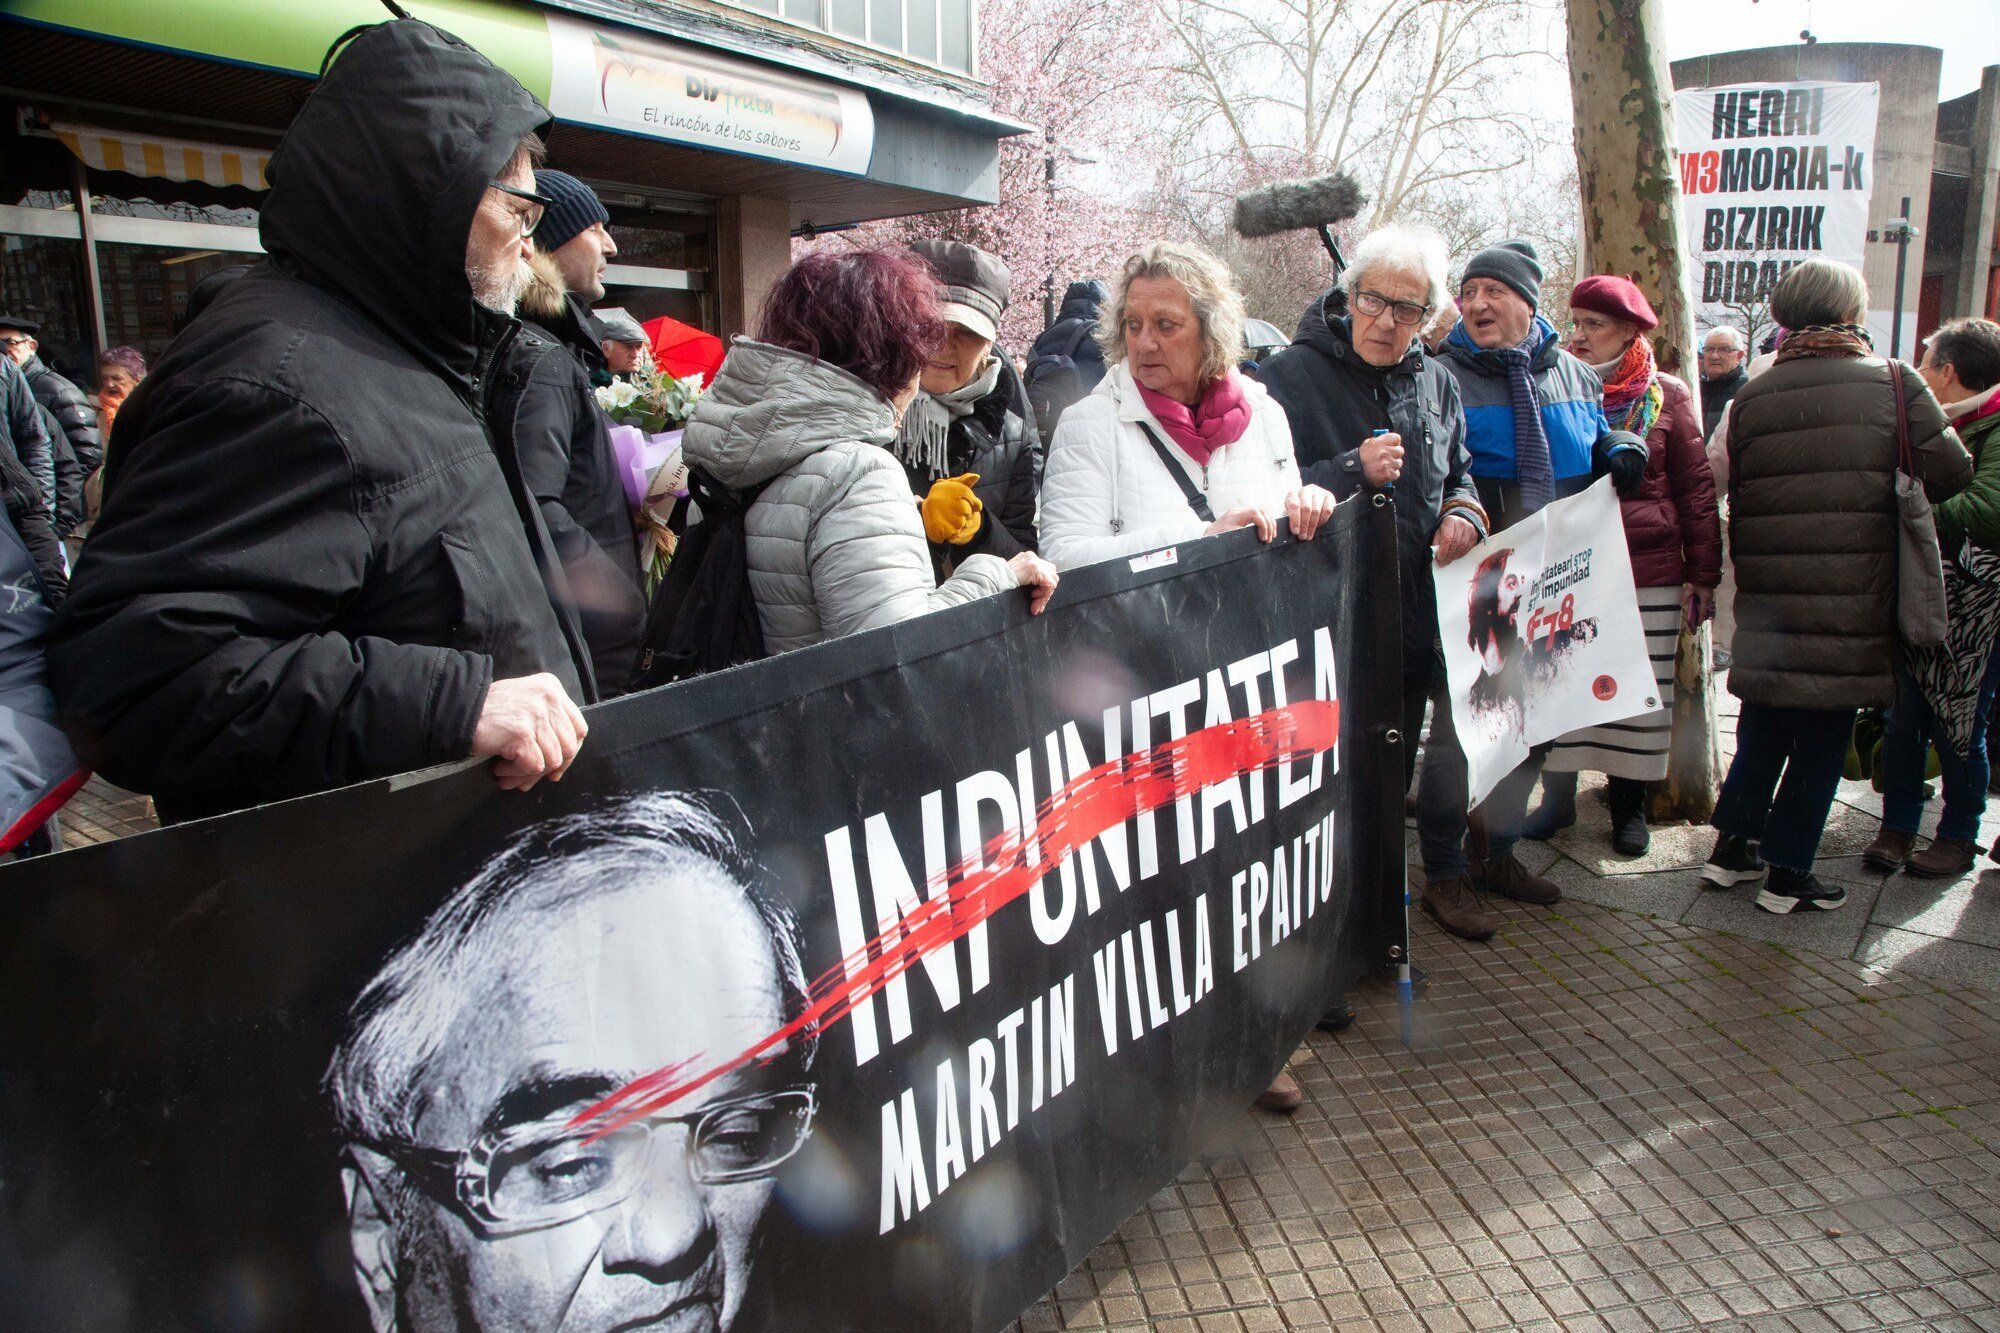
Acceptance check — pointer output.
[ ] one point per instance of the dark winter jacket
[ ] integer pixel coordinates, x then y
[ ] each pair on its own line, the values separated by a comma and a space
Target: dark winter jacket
1074, 334
1334, 399
997, 441
32, 523
76, 428
1812, 527
311, 562
1671, 527
1572, 412
544, 410
24, 429
1716, 395
577, 329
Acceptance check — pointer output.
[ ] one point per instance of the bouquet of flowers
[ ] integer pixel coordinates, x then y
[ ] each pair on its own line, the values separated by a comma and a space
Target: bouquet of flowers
648, 412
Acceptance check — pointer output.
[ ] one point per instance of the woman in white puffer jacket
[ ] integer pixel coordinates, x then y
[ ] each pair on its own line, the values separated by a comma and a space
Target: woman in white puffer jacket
1172, 429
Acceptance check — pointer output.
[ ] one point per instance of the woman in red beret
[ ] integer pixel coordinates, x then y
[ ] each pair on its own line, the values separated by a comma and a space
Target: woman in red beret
1675, 539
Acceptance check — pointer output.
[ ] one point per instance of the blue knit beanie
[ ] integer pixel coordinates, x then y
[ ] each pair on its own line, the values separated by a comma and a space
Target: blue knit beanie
574, 208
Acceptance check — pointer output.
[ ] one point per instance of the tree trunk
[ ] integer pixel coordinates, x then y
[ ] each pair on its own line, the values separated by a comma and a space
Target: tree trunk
1626, 165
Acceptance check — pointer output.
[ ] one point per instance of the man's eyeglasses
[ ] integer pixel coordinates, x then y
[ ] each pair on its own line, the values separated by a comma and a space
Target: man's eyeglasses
1372, 304
546, 1173
17, 340
530, 218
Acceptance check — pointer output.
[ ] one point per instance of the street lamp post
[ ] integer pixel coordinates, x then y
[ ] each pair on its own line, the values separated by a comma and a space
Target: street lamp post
1902, 233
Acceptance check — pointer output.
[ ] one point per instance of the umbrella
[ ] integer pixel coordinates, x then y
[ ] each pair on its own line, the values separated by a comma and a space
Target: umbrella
1260, 335
682, 349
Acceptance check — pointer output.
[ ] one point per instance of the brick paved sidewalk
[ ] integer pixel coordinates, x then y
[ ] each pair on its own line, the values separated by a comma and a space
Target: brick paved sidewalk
1608, 1121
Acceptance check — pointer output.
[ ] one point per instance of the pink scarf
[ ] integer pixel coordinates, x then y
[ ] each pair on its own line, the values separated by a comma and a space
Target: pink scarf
1220, 418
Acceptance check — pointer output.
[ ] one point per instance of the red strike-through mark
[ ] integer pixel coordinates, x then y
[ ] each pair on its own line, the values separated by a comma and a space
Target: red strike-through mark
1085, 808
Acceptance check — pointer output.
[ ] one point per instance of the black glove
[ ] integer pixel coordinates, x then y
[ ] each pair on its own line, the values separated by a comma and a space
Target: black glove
1627, 470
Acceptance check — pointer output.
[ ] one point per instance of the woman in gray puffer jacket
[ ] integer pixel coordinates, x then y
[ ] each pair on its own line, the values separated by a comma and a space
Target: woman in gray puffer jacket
836, 541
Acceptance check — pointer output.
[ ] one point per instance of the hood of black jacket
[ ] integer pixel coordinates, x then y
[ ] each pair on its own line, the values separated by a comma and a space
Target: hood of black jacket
374, 186
1327, 328
1083, 300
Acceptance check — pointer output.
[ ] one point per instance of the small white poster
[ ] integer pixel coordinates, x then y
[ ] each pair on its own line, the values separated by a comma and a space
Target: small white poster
1771, 175
1541, 634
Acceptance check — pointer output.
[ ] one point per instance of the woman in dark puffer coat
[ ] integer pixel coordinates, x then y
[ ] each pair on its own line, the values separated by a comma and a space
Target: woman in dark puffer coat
1675, 540
1813, 530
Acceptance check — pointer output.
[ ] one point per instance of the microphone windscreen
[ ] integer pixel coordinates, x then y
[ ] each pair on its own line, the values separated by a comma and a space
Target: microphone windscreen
1298, 205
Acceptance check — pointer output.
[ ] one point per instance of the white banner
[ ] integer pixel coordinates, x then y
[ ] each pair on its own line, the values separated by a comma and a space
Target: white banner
1542, 635
660, 89
1771, 175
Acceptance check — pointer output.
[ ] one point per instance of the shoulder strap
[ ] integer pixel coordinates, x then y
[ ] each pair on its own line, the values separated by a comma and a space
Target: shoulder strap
1083, 330
1904, 460
1196, 500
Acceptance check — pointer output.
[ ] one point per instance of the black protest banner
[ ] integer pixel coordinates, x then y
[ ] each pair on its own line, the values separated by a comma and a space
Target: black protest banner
864, 988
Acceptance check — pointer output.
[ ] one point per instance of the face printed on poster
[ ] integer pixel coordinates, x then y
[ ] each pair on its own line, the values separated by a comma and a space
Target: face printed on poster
476, 1196
1542, 635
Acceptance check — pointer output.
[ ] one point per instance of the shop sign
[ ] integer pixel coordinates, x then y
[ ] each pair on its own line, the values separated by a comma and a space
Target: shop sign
619, 80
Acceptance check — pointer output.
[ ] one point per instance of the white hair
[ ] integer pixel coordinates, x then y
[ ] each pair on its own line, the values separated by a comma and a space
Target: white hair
1729, 334
1416, 250
399, 1025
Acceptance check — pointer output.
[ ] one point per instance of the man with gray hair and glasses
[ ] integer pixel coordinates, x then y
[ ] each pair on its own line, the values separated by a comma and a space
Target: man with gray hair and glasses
1370, 410
591, 951
1722, 373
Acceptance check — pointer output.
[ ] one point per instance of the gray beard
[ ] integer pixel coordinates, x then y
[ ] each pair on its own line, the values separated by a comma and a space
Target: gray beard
499, 288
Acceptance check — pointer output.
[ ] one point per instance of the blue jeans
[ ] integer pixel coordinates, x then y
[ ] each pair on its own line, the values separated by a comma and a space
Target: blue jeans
1908, 731
1781, 783
1444, 792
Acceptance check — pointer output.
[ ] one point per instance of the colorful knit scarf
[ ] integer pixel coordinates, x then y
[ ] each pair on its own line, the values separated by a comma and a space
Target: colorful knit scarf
1632, 394
1826, 340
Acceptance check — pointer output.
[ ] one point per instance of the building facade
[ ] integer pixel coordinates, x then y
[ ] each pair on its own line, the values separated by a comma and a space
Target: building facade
134, 135
1942, 158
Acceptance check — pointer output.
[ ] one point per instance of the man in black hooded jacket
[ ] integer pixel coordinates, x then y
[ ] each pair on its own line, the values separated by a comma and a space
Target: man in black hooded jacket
312, 566
1346, 377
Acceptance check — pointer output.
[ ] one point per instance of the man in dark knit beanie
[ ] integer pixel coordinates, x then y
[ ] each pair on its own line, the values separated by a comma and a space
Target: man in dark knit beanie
573, 233
1514, 263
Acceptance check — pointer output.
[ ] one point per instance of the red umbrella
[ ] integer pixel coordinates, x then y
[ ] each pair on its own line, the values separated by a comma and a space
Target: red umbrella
682, 349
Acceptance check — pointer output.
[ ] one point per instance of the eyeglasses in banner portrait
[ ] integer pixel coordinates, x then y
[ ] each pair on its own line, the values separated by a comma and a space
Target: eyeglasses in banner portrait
1542, 635
867, 987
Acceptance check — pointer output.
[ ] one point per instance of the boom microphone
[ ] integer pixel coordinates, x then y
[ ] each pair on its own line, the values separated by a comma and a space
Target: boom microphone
1318, 203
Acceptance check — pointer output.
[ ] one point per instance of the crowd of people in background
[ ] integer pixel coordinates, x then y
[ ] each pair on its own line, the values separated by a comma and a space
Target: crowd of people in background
365, 515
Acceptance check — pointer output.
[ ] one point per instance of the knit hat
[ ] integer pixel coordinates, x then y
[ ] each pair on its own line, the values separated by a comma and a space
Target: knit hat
1619, 298
573, 208
1514, 263
976, 284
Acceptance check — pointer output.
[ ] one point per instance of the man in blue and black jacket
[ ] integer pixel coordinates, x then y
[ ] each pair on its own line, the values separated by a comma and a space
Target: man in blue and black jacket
1534, 424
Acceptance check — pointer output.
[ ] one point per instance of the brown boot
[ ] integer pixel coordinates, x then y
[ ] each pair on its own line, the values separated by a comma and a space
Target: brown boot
1889, 850
1284, 1094
1452, 904
1945, 858
1510, 879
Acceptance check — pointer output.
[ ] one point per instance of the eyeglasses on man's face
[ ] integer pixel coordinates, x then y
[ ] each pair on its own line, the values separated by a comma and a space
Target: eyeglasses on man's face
13, 340
1373, 304
548, 1172
531, 218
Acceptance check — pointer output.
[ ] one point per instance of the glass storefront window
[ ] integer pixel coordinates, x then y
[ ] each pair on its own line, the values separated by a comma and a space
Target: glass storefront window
146, 288
42, 277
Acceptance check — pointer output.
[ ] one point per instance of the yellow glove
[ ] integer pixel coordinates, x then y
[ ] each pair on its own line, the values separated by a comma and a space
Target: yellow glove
951, 510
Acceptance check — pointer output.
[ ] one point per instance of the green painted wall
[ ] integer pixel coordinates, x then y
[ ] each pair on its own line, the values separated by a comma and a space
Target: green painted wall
294, 34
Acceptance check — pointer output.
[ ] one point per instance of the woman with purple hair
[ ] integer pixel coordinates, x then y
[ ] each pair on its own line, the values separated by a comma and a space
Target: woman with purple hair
803, 416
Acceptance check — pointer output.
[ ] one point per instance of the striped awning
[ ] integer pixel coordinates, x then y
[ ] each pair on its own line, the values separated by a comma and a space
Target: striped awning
169, 159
